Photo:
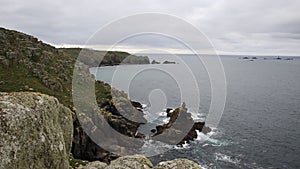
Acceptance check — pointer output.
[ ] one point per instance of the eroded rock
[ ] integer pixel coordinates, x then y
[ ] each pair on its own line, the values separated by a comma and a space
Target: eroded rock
178, 164
35, 131
131, 162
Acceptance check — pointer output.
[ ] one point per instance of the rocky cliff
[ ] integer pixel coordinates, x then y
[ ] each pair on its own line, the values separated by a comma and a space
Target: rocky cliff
35, 131
28, 64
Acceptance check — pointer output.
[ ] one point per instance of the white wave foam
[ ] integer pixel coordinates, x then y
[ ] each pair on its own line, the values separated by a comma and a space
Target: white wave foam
151, 148
162, 114
166, 120
144, 106
226, 158
183, 146
201, 137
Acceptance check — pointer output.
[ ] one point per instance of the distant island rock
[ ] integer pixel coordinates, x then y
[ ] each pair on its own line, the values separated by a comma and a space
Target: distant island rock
165, 62
155, 62
169, 62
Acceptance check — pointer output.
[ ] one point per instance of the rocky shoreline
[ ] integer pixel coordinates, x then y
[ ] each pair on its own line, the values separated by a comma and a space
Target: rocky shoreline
39, 126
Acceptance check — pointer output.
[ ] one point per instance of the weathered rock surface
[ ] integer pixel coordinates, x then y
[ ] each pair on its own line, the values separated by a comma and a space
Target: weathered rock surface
94, 165
141, 162
131, 162
35, 131
178, 164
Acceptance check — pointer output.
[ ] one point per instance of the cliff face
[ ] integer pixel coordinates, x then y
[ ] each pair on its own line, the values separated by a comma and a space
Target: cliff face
27, 64
35, 131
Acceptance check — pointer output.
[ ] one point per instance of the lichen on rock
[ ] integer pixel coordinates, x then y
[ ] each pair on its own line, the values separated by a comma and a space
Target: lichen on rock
131, 162
178, 164
35, 131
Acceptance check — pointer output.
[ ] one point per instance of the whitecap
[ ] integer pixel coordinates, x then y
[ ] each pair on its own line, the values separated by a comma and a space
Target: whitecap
226, 158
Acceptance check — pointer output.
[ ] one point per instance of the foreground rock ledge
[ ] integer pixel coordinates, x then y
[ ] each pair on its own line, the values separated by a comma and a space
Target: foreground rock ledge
141, 162
35, 131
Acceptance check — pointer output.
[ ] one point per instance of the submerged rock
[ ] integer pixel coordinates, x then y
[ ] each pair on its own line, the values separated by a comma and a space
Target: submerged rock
35, 131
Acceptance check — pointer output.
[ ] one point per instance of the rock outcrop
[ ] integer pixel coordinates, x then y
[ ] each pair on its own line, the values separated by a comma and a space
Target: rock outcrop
178, 164
131, 162
35, 131
141, 162
181, 127
94, 165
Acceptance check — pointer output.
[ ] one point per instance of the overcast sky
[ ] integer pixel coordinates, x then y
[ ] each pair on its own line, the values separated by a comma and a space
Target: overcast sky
263, 27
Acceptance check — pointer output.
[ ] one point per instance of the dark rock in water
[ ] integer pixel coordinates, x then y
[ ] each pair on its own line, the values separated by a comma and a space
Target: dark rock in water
245, 57
153, 130
168, 110
180, 127
155, 62
35, 131
137, 104
159, 129
254, 57
168, 62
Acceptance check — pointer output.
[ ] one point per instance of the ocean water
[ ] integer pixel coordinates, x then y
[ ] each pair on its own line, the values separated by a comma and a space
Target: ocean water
260, 124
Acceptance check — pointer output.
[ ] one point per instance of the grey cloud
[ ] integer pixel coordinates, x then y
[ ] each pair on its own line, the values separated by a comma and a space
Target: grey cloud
233, 26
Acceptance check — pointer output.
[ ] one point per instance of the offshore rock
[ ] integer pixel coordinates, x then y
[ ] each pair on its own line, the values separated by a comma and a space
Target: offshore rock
35, 131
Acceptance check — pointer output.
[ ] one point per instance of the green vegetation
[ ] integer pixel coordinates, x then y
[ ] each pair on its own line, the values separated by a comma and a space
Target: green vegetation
27, 63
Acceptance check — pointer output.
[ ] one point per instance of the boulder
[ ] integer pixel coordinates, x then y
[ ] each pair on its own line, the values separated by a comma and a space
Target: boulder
35, 131
131, 162
178, 164
94, 165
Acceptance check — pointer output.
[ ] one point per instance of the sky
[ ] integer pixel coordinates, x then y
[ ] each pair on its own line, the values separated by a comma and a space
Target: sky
241, 27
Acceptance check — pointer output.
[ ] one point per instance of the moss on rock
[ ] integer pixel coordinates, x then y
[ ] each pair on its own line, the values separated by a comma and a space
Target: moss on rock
35, 131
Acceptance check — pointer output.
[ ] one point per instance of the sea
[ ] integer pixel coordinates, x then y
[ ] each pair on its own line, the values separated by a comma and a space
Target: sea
259, 125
